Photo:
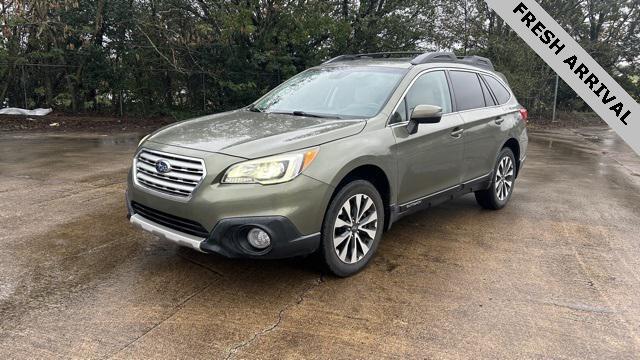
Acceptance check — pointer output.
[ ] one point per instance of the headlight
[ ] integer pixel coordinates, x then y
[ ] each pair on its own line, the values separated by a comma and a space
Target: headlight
270, 170
143, 139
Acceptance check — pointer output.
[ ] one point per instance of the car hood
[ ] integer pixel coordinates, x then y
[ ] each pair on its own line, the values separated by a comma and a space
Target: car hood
250, 135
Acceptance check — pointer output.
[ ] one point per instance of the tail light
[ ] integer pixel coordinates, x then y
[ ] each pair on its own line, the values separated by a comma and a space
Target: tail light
524, 114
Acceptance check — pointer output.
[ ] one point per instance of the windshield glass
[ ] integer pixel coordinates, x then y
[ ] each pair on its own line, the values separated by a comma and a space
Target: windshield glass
341, 92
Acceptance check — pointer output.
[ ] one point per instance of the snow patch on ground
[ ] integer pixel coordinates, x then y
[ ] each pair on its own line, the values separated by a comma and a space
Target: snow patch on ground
18, 111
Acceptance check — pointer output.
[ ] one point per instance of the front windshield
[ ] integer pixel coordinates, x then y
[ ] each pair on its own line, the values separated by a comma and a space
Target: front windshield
341, 92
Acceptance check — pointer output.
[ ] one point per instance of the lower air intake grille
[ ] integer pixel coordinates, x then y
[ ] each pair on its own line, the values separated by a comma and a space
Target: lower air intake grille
169, 174
173, 222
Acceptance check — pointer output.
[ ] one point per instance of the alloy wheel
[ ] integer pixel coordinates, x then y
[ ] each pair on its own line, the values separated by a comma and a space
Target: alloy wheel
355, 228
504, 178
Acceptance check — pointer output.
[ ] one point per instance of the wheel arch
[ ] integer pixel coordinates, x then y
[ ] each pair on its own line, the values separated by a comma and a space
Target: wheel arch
373, 173
514, 145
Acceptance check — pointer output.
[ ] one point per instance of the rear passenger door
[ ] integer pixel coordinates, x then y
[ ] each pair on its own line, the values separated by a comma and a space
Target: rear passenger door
482, 117
429, 161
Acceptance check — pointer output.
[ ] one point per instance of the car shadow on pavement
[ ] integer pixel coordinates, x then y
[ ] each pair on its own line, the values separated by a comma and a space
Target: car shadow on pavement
413, 234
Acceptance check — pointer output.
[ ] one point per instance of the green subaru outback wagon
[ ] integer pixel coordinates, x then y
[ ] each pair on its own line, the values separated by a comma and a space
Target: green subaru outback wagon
330, 159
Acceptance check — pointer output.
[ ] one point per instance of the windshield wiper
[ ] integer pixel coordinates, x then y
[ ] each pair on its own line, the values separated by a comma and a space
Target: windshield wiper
304, 113
255, 109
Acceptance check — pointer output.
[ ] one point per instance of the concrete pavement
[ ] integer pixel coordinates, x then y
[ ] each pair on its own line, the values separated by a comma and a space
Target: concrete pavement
556, 274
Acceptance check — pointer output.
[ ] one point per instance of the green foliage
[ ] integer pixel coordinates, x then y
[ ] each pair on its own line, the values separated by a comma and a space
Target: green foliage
183, 57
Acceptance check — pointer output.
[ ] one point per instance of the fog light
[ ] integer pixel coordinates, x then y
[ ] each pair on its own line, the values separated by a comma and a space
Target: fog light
258, 238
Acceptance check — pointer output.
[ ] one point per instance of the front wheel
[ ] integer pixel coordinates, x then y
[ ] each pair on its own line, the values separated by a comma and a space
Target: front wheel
504, 177
352, 228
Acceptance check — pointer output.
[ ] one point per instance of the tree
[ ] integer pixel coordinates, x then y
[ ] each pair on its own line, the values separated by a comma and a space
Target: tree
184, 57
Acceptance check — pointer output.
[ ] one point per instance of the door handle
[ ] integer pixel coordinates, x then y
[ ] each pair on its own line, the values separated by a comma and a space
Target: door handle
457, 133
499, 121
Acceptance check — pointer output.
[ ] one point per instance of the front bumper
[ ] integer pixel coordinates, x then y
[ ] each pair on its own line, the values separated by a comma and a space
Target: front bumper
229, 237
166, 233
292, 212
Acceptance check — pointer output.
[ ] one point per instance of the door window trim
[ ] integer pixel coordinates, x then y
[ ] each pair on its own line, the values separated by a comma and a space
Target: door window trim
454, 105
406, 91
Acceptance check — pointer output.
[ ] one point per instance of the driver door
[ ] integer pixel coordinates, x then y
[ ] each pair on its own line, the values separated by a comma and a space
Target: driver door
429, 161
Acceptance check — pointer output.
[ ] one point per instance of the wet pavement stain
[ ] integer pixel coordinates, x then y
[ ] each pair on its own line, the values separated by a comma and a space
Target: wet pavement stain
555, 274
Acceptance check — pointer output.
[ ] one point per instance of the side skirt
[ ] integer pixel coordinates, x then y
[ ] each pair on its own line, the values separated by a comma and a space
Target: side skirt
399, 211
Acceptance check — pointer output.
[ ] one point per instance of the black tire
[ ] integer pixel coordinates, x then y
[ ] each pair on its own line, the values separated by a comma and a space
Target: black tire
329, 252
492, 198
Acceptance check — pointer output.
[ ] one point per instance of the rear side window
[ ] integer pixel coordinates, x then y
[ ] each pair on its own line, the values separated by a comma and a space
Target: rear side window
430, 89
501, 93
467, 89
488, 99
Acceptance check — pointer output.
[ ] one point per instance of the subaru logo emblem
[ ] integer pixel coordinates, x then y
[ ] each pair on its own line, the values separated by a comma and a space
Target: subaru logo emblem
163, 166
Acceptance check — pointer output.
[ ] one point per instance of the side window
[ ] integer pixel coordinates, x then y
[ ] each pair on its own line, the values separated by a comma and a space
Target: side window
430, 89
401, 113
501, 93
488, 99
467, 89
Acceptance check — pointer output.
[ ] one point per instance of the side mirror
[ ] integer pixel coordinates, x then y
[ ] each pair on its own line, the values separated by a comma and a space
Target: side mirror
424, 114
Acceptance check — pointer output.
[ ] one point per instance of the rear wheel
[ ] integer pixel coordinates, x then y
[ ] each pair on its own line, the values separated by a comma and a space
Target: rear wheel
352, 228
504, 177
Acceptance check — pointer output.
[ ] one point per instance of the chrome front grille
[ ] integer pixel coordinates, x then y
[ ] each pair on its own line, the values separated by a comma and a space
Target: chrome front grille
179, 177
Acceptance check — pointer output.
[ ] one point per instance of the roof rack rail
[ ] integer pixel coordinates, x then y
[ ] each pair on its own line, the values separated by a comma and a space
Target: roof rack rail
478, 61
474, 60
434, 57
421, 58
377, 55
